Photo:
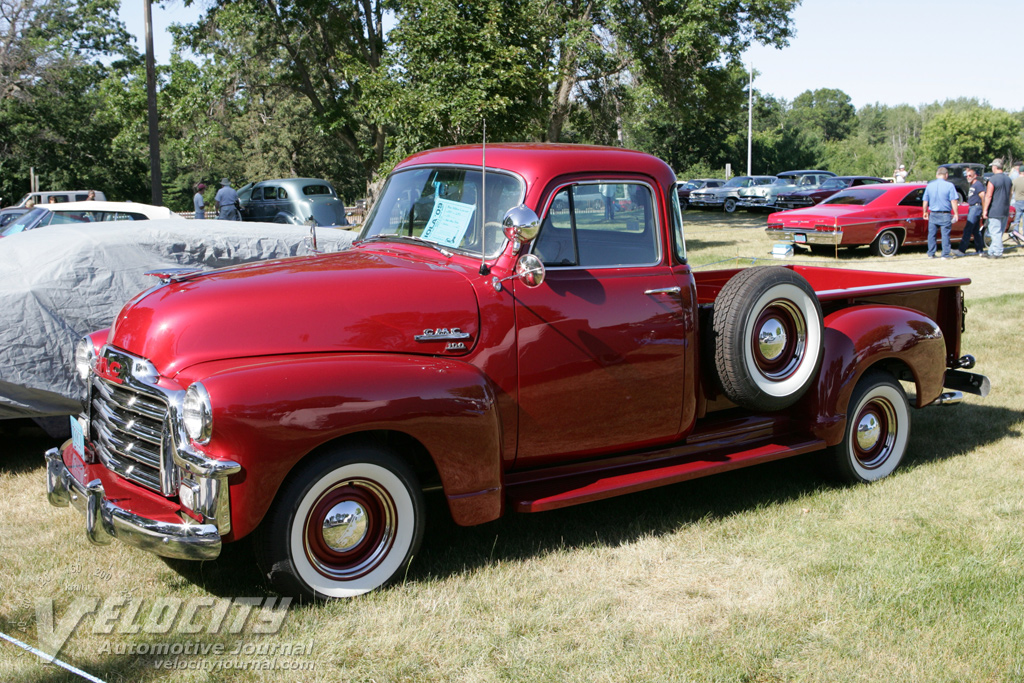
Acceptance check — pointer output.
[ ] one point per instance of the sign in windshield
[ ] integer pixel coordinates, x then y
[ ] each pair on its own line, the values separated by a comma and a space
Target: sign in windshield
445, 206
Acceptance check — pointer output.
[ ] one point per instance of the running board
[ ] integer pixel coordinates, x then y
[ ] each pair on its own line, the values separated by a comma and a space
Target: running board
567, 490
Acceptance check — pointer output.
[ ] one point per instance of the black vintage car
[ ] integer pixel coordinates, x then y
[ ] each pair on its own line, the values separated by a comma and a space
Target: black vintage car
957, 175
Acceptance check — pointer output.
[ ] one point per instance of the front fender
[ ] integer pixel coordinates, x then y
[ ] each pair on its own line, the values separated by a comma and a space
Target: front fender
270, 413
860, 337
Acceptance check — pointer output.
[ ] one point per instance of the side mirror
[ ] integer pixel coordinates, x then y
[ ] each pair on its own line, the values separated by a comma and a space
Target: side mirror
520, 224
530, 270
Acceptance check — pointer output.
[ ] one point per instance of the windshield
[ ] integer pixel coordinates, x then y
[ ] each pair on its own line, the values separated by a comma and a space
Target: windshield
444, 206
854, 196
26, 221
784, 181
835, 184
693, 185
738, 181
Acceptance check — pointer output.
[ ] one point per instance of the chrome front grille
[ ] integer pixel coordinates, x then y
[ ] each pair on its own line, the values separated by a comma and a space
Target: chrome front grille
128, 433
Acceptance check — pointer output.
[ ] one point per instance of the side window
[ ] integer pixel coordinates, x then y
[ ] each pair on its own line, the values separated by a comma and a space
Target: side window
600, 225
282, 193
915, 198
269, 193
257, 194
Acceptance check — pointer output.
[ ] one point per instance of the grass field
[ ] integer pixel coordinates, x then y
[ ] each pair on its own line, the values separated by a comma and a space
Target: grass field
765, 574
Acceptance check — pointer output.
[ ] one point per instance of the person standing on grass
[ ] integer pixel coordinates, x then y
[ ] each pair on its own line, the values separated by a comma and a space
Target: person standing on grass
972, 229
940, 210
227, 202
198, 203
900, 174
1017, 231
996, 209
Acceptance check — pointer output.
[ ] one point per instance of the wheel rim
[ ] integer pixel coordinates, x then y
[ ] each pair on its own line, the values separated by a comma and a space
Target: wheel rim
887, 243
730, 205
876, 433
780, 340
350, 529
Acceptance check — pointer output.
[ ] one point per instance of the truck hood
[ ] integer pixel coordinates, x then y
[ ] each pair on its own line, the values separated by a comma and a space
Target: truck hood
360, 300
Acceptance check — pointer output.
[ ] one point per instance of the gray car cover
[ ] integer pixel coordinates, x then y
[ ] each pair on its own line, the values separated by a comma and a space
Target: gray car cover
61, 282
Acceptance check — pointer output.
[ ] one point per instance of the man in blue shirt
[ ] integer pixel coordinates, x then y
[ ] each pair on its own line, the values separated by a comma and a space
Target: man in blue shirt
226, 201
940, 210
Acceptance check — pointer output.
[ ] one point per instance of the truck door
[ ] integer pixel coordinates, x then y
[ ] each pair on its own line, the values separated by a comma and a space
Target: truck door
601, 342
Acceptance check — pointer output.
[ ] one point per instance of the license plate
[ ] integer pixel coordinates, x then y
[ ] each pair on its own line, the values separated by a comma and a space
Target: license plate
800, 238
77, 437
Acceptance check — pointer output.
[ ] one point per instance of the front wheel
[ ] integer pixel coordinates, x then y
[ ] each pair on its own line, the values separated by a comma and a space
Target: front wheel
730, 205
346, 523
877, 430
886, 244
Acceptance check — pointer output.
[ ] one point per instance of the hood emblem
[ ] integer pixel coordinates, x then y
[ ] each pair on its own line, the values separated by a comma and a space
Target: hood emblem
442, 334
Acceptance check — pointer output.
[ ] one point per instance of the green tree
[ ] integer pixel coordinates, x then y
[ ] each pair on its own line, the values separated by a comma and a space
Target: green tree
825, 111
972, 134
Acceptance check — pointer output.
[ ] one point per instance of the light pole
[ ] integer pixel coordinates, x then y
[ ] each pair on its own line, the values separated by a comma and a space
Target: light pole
154, 128
750, 120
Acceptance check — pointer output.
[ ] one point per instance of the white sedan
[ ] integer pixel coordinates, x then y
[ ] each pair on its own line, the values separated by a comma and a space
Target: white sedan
80, 213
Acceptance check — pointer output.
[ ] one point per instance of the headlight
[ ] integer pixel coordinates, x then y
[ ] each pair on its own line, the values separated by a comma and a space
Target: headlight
197, 413
85, 354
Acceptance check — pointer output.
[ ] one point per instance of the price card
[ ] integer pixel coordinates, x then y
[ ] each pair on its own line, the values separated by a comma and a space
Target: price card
448, 222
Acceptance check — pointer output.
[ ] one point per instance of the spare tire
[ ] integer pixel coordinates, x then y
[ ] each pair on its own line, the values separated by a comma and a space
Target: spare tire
768, 338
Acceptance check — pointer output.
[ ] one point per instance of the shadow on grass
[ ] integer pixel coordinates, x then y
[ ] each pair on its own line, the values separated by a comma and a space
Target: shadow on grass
946, 432
22, 445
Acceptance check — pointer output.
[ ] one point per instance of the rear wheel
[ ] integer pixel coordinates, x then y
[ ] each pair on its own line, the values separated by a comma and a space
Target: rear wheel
886, 244
348, 522
877, 430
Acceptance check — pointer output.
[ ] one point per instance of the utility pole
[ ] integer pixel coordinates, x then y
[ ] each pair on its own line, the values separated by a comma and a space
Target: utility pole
750, 120
154, 128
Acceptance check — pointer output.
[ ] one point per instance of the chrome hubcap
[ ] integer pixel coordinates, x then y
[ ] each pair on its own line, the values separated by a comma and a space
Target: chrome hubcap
771, 339
345, 526
868, 432
887, 242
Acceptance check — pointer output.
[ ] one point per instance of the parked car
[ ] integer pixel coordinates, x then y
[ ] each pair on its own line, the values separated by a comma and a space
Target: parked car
886, 217
293, 201
764, 196
82, 213
509, 363
10, 213
728, 195
798, 199
61, 196
62, 282
698, 184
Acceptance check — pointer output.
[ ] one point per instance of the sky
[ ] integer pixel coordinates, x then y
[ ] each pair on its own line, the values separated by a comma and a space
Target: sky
887, 51
900, 52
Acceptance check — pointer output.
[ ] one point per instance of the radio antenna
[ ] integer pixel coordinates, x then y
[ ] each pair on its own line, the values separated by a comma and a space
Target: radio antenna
483, 203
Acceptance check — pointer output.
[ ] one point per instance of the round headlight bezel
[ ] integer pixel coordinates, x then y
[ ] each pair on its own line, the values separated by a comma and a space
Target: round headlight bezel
197, 413
85, 356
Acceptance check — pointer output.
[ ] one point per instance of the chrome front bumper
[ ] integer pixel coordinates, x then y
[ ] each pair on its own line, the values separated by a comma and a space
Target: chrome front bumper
755, 203
706, 201
832, 238
105, 521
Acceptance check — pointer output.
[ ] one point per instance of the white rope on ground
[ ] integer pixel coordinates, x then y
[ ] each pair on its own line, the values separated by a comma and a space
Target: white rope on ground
50, 659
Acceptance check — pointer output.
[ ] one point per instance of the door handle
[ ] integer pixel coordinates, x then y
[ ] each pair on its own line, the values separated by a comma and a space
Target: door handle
663, 290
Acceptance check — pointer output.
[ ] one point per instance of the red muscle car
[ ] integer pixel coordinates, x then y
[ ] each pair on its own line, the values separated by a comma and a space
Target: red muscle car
498, 337
886, 217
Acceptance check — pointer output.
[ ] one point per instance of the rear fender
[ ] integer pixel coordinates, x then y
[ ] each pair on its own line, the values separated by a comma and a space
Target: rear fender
268, 414
860, 337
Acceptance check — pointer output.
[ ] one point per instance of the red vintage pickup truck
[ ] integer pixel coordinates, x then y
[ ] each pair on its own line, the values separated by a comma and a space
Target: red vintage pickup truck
465, 345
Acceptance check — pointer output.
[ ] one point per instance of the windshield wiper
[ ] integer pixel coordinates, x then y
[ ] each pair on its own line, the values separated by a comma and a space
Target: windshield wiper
384, 236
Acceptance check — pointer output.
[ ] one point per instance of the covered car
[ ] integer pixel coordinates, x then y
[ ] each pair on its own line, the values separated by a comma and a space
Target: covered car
63, 282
